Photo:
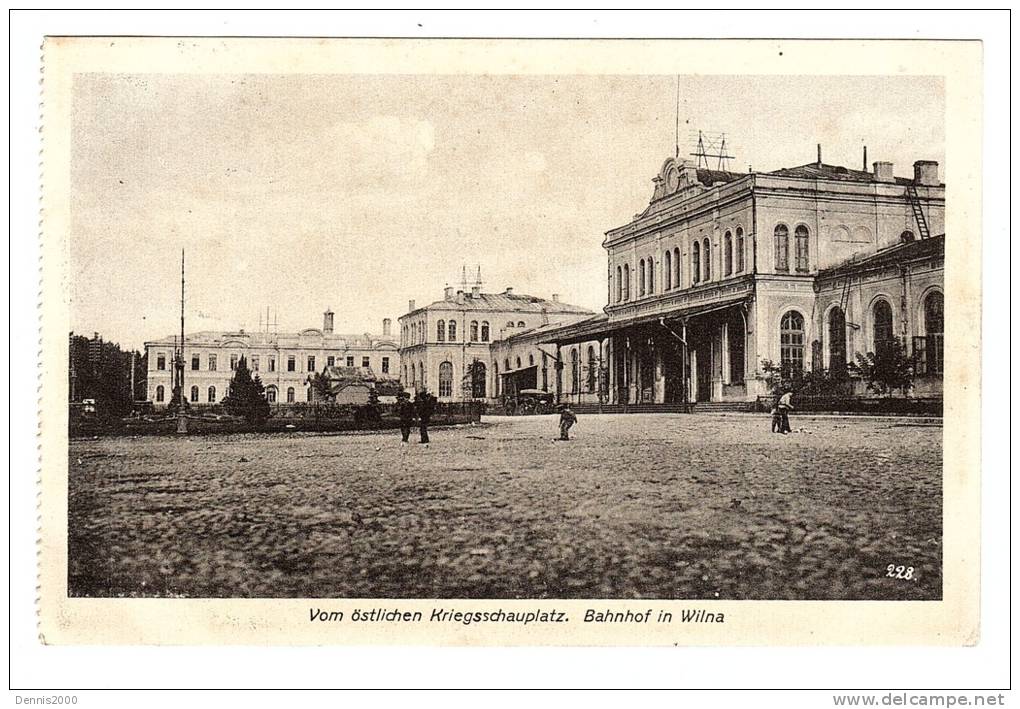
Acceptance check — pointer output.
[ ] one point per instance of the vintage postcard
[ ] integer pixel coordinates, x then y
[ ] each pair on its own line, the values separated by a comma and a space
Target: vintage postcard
505, 342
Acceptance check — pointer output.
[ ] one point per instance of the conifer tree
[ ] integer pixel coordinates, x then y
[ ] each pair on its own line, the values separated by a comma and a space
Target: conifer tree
247, 396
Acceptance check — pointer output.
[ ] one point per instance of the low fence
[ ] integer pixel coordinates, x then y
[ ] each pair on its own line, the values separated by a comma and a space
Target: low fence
877, 406
283, 419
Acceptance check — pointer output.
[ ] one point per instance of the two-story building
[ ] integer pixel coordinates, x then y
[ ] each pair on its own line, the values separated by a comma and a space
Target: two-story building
448, 346
283, 361
723, 271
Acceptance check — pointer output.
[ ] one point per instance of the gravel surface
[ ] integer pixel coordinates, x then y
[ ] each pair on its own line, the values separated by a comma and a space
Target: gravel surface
636, 506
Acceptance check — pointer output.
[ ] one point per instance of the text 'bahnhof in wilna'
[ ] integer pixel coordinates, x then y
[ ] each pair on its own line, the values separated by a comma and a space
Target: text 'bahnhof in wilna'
721, 276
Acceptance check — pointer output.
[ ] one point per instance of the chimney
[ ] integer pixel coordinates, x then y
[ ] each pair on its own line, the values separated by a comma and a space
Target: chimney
460, 296
386, 327
509, 291
448, 293
819, 154
327, 322
883, 172
865, 168
926, 172
476, 291
556, 297
410, 305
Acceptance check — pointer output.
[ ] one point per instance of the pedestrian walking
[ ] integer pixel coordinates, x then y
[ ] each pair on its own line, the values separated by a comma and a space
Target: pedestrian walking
425, 404
785, 406
567, 419
405, 410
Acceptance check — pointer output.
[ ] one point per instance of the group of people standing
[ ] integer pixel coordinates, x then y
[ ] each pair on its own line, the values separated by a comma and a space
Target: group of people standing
420, 409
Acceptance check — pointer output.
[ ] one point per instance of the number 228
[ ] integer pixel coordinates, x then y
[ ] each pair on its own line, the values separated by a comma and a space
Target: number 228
899, 572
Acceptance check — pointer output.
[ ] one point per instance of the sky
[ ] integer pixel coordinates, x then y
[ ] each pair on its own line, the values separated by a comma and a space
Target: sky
361, 192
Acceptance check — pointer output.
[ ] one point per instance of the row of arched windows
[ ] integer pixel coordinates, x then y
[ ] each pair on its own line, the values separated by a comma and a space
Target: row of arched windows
672, 266
733, 261
928, 348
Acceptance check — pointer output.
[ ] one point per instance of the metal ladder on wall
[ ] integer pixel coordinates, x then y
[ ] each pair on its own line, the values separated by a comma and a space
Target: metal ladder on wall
915, 205
844, 301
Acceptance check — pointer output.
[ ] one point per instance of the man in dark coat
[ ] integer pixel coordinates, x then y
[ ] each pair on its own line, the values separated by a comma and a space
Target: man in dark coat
425, 404
405, 410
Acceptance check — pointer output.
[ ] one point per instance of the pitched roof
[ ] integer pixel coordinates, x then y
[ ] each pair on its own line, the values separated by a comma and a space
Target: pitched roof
900, 253
822, 171
709, 177
516, 302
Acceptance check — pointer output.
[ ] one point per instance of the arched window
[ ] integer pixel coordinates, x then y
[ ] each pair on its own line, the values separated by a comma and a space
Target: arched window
791, 343
520, 323
651, 276
485, 330
495, 377
518, 362
619, 284
641, 277
545, 372
531, 360
506, 364
626, 281
706, 248
575, 371
510, 323
160, 393
445, 379
441, 331
421, 375
290, 395
211, 395
452, 329
696, 263
728, 254
677, 267
800, 238
271, 394
592, 369
474, 331
934, 324
907, 236
882, 326
740, 250
782, 248
194, 394
667, 269
837, 340
478, 376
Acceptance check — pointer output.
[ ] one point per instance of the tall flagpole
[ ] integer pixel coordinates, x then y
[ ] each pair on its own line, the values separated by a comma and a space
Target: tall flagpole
182, 421
677, 143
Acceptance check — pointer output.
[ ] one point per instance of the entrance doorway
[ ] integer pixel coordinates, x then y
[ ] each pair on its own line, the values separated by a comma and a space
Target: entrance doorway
704, 373
673, 369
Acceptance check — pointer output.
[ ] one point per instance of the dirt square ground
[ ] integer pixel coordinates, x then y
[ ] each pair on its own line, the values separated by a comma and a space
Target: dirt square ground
636, 506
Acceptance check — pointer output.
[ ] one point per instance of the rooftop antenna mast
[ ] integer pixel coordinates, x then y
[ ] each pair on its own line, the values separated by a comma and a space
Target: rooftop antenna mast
711, 146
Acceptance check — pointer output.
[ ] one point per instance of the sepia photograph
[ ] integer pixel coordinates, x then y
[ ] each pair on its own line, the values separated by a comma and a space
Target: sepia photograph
506, 336
460, 351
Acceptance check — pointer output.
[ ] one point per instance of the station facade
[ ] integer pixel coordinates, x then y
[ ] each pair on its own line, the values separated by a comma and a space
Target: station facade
724, 272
